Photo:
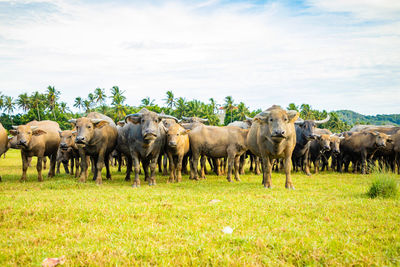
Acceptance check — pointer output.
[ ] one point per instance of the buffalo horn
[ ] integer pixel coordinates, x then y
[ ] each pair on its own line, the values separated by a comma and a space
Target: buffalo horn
15, 127
72, 121
323, 121
163, 116
299, 121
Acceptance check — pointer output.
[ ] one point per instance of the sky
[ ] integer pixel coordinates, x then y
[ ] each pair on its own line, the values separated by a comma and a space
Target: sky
342, 54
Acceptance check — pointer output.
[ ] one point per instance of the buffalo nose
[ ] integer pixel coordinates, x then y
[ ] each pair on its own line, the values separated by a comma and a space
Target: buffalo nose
172, 143
63, 145
327, 147
79, 139
22, 142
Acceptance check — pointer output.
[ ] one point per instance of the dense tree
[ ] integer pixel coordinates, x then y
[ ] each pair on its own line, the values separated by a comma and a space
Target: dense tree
46, 106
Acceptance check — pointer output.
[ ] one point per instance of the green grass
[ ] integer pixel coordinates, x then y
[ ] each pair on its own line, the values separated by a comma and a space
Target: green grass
327, 220
384, 185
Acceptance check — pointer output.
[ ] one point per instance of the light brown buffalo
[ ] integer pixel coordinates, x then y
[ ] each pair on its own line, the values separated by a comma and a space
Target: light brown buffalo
96, 137
3, 141
177, 147
272, 136
217, 142
38, 139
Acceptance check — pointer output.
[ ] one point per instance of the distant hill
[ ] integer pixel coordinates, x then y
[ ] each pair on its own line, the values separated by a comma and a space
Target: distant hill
352, 117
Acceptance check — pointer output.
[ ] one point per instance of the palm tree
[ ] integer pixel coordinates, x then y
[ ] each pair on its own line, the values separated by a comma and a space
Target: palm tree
242, 111
181, 108
91, 99
78, 103
87, 104
117, 96
9, 106
292, 106
170, 100
36, 100
1, 100
63, 107
229, 106
23, 102
52, 97
100, 95
147, 102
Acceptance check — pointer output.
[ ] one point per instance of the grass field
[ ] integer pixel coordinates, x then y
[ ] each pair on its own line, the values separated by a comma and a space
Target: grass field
327, 220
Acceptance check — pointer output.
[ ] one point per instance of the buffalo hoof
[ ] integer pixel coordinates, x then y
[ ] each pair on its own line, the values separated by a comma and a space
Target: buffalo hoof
267, 186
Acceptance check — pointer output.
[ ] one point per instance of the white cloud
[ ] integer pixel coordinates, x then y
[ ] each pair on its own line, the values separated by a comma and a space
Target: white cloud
260, 57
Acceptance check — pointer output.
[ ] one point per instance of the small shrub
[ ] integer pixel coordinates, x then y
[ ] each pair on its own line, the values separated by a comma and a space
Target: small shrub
384, 186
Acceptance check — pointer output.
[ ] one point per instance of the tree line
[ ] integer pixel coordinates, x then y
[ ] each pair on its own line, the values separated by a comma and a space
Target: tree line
47, 105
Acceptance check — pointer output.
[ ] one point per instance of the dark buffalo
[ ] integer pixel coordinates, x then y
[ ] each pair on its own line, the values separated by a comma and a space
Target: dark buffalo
359, 147
146, 138
96, 137
318, 150
122, 148
69, 150
305, 132
37, 139
272, 136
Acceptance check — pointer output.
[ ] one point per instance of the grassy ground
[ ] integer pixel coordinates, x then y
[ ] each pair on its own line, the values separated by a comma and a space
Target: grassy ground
327, 220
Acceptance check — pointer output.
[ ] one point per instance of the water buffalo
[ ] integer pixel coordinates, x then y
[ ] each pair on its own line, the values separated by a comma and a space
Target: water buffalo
122, 148
39, 139
3, 141
246, 124
217, 142
305, 132
69, 150
272, 136
146, 138
177, 146
360, 147
318, 149
96, 137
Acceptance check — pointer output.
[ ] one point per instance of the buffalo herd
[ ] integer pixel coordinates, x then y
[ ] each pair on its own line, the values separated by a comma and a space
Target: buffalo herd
275, 139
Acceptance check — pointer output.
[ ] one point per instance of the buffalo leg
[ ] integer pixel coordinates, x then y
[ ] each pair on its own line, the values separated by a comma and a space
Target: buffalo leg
288, 166
25, 164
99, 166
52, 167
237, 167
72, 165
136, 164
267, 169
128, 168
84, 166
179, 168
39, 168
172, 165
193, 167
152, 165
77, 163
107, 163
257, 165
203, 168
65, 164
230, 160
242, 163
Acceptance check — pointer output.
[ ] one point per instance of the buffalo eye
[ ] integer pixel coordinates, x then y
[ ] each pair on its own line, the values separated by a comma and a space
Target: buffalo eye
271, 119
285, 119
29, 132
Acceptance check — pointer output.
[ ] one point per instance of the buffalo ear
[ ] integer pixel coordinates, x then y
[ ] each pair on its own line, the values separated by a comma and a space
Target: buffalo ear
185, 131
38, 132
13, 132
121, 123
100, 124
293, 115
